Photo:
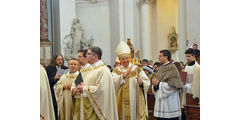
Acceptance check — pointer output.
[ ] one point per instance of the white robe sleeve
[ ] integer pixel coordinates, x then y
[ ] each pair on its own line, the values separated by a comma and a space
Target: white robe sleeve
146, 81
73, 86
165, 90
117, 80
187, 87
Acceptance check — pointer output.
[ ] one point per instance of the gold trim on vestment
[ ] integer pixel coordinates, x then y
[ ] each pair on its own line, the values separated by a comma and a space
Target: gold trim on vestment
89, 112
90, 68
71, 76
124, 98
87, 105
119, 103
77, 108
42, 117
142, 106
96, 103
131, 74
86, 69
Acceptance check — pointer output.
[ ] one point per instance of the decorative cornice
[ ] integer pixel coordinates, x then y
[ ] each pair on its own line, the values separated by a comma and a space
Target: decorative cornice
91, 3
142, 2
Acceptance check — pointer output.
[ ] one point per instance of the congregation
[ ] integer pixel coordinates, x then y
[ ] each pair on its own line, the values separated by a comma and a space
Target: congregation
88, 89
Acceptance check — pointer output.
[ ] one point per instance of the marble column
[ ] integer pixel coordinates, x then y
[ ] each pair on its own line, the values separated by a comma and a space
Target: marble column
56, 27
145, 36
43, 20
182, 29
146, 31
188, 22
115, 25
193, 21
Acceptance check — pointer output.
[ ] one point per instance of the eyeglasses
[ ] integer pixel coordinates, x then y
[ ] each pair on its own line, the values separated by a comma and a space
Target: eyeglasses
89, 54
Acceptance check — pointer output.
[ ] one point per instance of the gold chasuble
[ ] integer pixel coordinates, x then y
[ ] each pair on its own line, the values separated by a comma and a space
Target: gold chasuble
98, 97
64, 97
127, 92
46, 105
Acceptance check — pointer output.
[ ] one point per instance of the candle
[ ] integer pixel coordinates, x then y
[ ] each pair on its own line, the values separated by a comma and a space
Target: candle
187, 36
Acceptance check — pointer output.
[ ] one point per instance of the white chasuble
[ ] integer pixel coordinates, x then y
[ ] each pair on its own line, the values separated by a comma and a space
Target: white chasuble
46, 105
99, 100
64, 97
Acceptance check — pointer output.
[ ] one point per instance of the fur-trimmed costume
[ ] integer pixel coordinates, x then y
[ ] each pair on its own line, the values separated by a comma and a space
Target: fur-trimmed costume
167, 101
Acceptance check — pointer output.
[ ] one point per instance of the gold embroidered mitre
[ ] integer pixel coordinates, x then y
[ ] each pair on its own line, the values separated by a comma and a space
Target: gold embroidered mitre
122, 50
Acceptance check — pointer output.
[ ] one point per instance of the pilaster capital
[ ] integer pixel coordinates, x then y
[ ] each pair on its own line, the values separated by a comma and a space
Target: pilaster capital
142, 2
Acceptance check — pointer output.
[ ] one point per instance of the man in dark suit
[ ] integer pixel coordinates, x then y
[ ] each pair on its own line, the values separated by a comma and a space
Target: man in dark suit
57, 62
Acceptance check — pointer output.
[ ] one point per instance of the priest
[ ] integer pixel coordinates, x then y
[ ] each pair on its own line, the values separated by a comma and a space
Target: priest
131, 85
99, 100
63, 91
46, 105
78, 97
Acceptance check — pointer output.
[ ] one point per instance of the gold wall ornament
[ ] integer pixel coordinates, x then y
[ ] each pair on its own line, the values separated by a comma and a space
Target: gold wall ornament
173, 40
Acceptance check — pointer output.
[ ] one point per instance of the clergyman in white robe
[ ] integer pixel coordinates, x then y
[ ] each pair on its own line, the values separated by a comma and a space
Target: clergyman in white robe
46, 105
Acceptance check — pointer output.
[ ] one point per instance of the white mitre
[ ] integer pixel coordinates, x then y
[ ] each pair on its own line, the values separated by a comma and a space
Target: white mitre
122, 50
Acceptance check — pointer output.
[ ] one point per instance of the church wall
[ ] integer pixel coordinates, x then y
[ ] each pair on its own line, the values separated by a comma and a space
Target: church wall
164, 17
110, 21
95, 21
67, 10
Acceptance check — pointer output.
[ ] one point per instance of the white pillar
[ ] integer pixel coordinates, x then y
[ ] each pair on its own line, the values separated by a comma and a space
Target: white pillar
193, 21
115, 31
182, 29
56, 27
146, 31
